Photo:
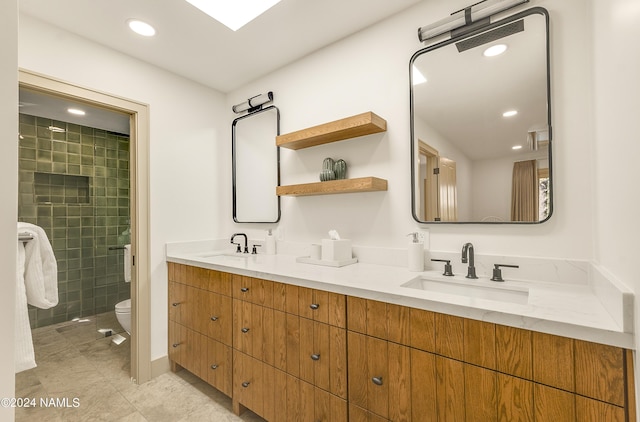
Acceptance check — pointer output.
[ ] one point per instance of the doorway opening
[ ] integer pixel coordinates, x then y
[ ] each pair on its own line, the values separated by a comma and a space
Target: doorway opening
92, 182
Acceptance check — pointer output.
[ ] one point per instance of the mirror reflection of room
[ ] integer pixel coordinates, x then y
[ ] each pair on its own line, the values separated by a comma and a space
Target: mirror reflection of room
481, 126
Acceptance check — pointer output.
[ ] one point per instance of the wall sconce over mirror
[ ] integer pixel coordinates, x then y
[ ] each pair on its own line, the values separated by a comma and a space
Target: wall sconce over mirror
481, 124
256, 161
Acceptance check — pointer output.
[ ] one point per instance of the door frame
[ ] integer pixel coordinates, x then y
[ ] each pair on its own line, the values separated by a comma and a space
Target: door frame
139, 174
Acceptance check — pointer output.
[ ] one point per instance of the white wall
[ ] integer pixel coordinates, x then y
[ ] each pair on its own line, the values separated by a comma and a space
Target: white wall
9, 195
369, 71
186, 133
617, 147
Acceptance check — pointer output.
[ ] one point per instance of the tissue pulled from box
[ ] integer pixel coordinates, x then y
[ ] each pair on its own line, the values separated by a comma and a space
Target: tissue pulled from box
333, 235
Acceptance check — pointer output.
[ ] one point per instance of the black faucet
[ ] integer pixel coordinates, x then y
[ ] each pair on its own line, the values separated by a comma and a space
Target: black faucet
467, 251
239, 249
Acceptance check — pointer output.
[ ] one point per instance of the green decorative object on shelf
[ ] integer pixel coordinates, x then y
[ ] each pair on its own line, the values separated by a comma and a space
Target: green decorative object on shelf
327, 172
340, 169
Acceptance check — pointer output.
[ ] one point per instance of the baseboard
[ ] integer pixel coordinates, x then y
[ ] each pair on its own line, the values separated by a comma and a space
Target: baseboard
160, 366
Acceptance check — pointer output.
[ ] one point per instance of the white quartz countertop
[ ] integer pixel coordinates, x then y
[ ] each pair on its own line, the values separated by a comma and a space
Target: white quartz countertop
570, 310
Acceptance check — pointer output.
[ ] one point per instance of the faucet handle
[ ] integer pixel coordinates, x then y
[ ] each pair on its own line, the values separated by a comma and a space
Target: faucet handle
447, 267
497, 272
254, 250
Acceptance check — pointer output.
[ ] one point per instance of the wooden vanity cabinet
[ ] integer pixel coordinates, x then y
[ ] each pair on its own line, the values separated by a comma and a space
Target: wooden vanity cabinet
296, 338
414, 365
200, 324
291, 353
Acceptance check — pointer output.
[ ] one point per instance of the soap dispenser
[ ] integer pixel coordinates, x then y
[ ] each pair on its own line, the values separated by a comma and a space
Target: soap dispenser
270, 243
416, 253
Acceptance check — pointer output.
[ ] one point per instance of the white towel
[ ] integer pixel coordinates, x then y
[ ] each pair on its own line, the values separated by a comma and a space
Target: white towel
25, 357
127, 263
41, 268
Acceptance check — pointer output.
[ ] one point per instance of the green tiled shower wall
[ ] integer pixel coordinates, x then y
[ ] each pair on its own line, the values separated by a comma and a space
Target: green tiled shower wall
75, 185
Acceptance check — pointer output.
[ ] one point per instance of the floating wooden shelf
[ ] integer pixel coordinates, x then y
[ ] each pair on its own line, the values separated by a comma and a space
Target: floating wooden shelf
362, 184
339, 130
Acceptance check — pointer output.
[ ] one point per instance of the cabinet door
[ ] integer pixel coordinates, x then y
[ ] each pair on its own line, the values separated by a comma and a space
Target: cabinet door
184, 348
480, 394
253, 330
217, 365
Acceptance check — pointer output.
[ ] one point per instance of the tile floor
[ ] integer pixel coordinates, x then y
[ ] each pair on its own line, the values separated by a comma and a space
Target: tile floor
75, 361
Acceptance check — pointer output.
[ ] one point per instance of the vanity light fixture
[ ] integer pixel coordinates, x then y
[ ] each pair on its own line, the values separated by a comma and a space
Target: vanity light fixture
510, 113
234, 14
76, 111
254, 103
495, 50
141, 28
466, 16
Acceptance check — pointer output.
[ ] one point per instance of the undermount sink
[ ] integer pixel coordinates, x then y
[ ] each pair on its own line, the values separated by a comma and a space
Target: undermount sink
471, 289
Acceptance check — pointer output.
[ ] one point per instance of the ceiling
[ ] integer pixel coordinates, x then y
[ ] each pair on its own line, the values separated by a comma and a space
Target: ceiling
192, 44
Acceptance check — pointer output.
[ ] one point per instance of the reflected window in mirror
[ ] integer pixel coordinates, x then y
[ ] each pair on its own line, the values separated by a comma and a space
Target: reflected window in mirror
479, 106
256, 166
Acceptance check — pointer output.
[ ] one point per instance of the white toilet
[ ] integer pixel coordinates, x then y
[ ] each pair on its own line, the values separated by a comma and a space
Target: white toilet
123, 313
123, 309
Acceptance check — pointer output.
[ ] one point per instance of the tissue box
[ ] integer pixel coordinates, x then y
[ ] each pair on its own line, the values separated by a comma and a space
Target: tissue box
336, 250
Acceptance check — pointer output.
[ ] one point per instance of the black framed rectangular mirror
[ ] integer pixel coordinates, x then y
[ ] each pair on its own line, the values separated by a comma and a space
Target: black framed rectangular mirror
481, 125
256, 166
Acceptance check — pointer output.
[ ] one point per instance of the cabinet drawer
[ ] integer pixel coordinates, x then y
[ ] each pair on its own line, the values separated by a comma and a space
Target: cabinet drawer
322, 306
387, 321
185, 348
216, 365
253, 385
253, 290
253, 330
217, 317
380, 377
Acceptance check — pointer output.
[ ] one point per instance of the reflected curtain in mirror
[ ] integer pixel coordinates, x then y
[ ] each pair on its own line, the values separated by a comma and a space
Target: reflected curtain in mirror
524, 191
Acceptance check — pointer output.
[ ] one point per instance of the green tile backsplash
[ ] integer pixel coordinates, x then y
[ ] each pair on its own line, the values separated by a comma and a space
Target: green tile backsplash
75, 185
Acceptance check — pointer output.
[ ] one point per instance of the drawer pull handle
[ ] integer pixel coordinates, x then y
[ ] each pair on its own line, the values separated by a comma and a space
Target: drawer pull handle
246, 384
245, 330
214, 318
315, 356
214, 366
175, 344
314, 306
175, 304
244, 289
377, 380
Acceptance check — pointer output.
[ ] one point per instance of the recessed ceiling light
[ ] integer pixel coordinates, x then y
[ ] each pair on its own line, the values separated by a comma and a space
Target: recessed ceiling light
510, 113
76, 111
233, 13
141, 28
495, 50
516, 147
418, 77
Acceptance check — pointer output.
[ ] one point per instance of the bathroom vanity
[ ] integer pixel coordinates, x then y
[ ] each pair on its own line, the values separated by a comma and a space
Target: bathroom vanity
361, 343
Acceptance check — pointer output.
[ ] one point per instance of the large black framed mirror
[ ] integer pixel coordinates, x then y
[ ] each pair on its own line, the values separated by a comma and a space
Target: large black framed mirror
481, 125
256, 166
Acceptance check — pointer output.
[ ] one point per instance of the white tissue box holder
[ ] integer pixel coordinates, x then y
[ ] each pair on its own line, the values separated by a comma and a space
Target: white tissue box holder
336, 250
